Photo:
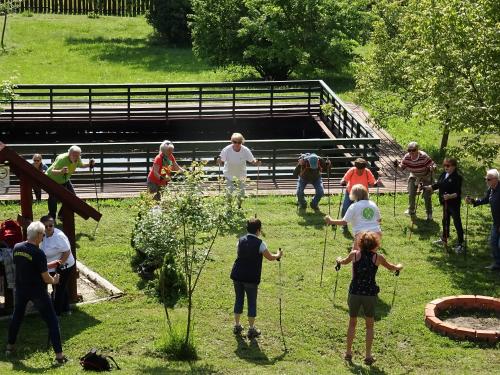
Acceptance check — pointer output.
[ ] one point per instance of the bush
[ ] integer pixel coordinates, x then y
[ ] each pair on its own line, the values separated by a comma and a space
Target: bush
169, 19
173, 344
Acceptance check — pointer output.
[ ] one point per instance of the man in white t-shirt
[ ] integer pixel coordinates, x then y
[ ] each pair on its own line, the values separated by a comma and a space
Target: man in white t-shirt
235, 157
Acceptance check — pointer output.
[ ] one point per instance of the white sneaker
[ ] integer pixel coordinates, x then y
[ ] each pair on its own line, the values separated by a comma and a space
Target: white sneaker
459, 249
439, 242
407, 212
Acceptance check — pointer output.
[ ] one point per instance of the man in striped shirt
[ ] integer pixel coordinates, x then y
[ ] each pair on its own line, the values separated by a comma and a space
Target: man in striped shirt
421, 168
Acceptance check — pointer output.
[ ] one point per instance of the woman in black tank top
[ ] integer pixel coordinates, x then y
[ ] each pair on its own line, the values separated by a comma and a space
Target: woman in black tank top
363, 289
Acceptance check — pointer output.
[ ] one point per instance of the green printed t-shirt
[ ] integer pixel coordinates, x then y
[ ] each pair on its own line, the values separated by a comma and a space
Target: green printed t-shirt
62, 161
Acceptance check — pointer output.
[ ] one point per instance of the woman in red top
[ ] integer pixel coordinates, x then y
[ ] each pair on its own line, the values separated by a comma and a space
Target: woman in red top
163, 165
358, 174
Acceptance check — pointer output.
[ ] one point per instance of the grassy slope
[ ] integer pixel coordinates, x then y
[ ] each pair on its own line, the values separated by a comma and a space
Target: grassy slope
314, 330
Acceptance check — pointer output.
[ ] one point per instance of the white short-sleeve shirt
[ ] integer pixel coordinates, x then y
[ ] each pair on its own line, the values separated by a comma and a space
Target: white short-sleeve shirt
363, 216
54, 247
262, 247
235, 163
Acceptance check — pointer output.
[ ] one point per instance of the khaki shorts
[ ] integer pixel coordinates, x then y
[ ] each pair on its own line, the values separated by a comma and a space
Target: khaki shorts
355, 302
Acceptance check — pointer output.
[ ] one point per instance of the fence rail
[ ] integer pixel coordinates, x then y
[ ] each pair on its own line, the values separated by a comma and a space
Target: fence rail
124, 8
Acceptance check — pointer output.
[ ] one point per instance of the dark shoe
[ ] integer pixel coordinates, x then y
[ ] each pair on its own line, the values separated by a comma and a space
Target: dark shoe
369, 361
237, 329
302, 206
253, 333
348, 357
61, 361
459, 249
314, 207
345, 229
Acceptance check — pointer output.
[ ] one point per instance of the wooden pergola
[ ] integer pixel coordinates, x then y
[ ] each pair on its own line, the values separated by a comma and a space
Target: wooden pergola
29, 176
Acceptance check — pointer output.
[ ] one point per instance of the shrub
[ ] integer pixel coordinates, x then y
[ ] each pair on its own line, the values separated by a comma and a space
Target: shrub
169, 19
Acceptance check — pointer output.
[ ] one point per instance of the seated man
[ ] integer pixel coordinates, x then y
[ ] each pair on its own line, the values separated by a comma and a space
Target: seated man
308, 171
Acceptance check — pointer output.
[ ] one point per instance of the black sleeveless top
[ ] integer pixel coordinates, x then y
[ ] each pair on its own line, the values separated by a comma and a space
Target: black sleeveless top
247, 267
363, 279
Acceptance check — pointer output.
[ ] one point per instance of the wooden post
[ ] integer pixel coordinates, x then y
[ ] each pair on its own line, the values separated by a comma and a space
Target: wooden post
69, 231
26, 201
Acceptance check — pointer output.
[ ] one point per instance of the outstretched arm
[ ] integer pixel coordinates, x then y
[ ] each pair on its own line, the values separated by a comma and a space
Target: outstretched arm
348, 259
267, 254
391, 267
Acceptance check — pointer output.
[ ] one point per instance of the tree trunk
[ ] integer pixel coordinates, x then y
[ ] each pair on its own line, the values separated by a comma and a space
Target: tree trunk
444, 139
190, 308
3, 29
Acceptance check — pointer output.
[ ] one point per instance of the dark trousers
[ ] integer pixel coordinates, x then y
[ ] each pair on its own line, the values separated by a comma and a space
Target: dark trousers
38, 193
250, 289
53, 200
43, 304
61, 299
452, 211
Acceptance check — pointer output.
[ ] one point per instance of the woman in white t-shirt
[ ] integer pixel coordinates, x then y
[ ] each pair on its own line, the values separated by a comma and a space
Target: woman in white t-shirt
60, 260
235, 157
363, 215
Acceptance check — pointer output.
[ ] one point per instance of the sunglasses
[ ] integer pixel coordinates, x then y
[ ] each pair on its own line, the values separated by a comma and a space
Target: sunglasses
412, 150
236, 142
49, 225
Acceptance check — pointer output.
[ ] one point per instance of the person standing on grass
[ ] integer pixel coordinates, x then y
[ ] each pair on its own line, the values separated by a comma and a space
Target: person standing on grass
358, 174
38, 164
163, 166
363, 289
363, 214
449, 184
32, 278
246, 274
493, 198
421, 168
235, 157
61, 171
308, 171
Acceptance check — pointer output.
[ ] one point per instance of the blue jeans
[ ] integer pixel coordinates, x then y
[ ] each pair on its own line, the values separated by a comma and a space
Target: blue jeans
240, 289
318, 188
346, 203
43, 304
495, 244
52, 201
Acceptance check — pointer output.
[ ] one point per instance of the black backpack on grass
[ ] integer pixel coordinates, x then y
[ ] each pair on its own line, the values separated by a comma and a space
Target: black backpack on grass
97, 362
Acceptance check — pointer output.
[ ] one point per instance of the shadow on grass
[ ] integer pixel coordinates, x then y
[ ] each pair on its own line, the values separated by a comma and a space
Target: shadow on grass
360, 369
250, 351
311, 218
33, 338
424, 229
138, 52
194, 369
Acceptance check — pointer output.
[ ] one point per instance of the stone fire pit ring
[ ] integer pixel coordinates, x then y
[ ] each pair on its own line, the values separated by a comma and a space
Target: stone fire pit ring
465, 302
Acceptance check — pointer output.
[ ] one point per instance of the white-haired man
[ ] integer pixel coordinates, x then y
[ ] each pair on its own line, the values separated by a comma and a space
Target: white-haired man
163, 166
420, 166
493, 198
32, 278
61, 171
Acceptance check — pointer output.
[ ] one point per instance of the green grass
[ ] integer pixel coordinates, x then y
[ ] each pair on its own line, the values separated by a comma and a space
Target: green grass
131, 328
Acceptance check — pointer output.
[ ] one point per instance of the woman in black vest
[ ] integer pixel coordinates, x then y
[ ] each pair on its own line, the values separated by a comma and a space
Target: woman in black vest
363, 290
246, 274
450, 190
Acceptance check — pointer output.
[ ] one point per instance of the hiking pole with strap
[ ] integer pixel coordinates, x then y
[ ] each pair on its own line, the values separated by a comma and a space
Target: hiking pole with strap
396, 274
338, 213
419, 191
280, 303
326, 226
337, 269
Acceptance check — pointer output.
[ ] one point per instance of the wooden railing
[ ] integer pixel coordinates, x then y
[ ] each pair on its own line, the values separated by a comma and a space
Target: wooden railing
127, 8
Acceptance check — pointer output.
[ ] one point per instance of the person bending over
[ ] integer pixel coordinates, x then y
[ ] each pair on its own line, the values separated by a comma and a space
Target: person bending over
308, 171
363, 289
246, 273
31, 279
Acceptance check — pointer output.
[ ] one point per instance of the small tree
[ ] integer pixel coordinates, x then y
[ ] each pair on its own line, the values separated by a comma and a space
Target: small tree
190, 221
7, 7
169, 19
7, 92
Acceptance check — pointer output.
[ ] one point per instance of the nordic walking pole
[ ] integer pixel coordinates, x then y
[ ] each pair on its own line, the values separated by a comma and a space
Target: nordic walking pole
281, 308
216, 159
326, 226
466, 226
96, 197
395, 164
338, 213
445, 223
395, 288
419, 191
337, 269
377, 192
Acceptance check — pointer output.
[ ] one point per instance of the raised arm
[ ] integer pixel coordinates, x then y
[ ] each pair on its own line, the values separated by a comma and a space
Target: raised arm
348, 259
267, 254
391, 267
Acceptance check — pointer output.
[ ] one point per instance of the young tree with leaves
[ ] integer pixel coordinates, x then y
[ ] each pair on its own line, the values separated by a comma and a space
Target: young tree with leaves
7, 7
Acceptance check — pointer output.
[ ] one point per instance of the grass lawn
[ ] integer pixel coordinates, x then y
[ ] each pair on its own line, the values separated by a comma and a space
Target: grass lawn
130, 326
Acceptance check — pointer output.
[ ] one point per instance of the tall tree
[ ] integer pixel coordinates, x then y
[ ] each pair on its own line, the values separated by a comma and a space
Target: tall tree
440, 58
7, 7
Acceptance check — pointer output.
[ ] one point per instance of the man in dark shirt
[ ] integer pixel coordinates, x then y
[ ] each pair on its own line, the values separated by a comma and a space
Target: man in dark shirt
308, 171
31, 279
493, 198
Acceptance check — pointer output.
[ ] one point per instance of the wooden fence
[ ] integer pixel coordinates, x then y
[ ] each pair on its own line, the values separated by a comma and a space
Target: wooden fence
126, 8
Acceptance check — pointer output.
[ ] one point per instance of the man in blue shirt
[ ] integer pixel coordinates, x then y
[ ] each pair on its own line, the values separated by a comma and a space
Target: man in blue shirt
31, 279
493, 198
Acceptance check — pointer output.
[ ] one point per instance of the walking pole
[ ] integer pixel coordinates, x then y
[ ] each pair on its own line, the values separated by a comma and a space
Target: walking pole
377, 193
395, 288
337, 269
96, 197
419, 191
466, 227
216, 158
445, 224
257, 193
395, 163
281, 308
326, 226
338, 213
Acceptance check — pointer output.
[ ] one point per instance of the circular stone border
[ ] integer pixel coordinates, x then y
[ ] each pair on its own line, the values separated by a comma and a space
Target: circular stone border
433, 308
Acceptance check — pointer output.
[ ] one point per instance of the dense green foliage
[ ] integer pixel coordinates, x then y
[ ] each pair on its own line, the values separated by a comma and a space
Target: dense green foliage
277, 37
169, 19
437, 60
